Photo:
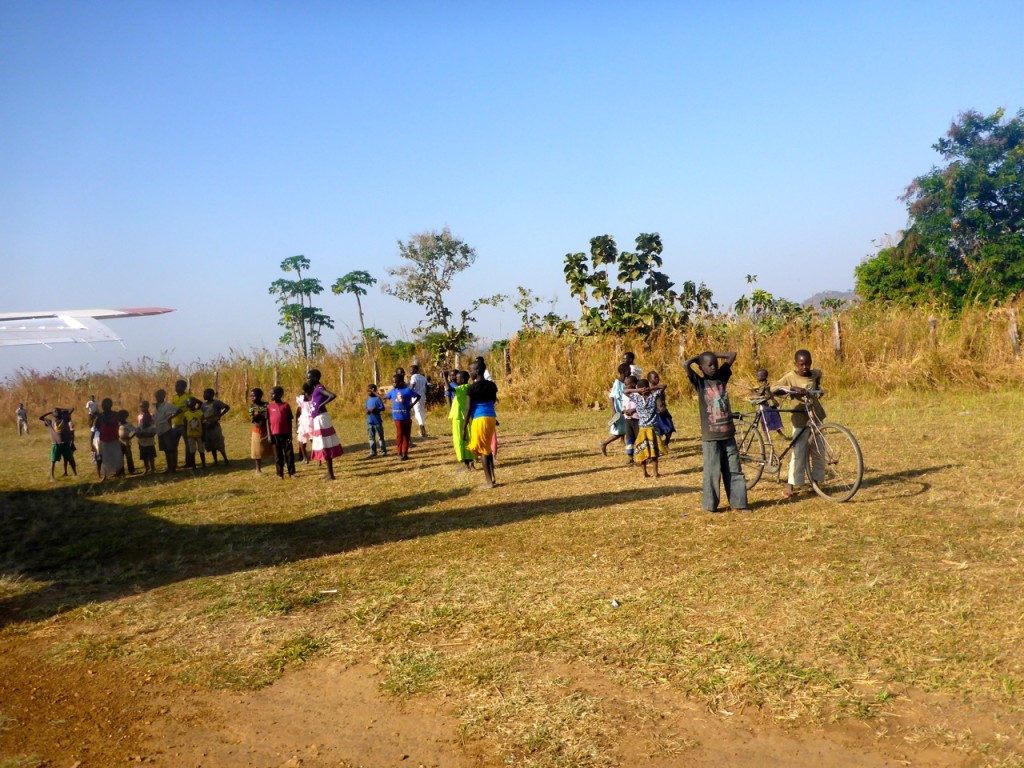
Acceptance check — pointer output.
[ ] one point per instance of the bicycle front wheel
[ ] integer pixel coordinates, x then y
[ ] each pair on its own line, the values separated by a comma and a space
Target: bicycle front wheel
752, 454
835, 462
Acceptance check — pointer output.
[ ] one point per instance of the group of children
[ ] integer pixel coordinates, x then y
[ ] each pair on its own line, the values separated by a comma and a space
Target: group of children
642, 421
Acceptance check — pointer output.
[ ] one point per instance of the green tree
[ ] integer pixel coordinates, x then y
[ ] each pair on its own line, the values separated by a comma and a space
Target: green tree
303, 322
965, 237
644, 298
355, 283
432, 260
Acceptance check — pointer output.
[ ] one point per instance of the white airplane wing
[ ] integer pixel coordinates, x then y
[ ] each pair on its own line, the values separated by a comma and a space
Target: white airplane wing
65, 326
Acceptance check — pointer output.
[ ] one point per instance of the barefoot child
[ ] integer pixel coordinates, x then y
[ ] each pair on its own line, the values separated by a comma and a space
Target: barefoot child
717, 431
213, 435
259, 443
145, 436
62, 439
616, 427
108, 426
663, 423
479, 430
194, 428
648, 444
279, 419
326, 445
304, 432
125, 433
457, 415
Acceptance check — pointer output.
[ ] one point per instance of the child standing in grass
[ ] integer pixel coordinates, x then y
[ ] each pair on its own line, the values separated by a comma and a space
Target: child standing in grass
800, 382
166, 436
648, 444
629, 418
194, 428
108, 426
125, 433
259, 443
145, 436
616, 427
480, 430
213, 435
663, 423
304, 431
374, 422
402, 400
457, 416
279, 420
62, 439
717, 431
326, 445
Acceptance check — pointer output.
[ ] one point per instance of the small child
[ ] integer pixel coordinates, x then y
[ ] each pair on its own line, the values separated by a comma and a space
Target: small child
374, 422
259, 444
304, 432
145, 437
125, 433
22, 416
279, 420
457, 416
648, 444
616, 427
402, 400
801, 381
771, 415
62, 439
717, 430
663, 423
213, 436
194, 427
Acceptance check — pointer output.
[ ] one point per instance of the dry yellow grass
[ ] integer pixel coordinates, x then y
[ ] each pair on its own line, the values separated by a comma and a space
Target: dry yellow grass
804, 611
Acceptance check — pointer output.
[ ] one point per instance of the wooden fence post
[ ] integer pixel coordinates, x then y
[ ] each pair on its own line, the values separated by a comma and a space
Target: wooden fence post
277, 375
246, 382
837, 338
376, 371
341, 379
933, 325
216, 382
508, 362
1014, 334
458, 361
755, 351
568, 354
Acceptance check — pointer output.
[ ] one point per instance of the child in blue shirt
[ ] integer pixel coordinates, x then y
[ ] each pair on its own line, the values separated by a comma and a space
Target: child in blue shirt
374, 423
402, 400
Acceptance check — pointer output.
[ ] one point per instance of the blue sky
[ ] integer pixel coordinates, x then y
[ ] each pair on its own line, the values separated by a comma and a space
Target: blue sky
172, 154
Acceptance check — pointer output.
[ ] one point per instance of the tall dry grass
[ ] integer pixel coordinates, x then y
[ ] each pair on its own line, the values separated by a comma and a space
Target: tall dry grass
883, 349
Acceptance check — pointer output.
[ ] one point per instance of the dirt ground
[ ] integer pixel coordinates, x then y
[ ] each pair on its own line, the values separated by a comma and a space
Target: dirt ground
111, 713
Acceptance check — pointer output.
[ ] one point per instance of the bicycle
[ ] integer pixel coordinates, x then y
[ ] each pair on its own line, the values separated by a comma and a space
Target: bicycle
841, 455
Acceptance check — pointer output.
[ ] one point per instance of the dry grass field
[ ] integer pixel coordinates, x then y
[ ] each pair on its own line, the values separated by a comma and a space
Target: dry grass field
576, 615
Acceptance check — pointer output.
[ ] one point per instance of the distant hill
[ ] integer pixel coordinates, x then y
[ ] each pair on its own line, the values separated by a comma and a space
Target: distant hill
849, 297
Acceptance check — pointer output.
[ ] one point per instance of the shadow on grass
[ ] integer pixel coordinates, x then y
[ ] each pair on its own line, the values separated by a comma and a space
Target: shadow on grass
89, 550
898, 485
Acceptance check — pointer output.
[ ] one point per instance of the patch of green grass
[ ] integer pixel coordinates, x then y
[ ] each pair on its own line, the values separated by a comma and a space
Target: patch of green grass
298, 650
412, 672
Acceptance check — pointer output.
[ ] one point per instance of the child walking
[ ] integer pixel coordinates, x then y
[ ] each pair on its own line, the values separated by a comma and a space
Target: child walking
479, 430
717, 431
801, 381
402, 400
374, 422
279, 419
457, 416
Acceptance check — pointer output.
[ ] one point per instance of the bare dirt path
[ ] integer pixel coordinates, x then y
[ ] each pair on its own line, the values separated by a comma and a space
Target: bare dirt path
111, 713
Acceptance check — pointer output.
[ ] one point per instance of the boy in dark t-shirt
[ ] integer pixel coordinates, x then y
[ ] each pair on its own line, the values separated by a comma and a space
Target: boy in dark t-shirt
717, 431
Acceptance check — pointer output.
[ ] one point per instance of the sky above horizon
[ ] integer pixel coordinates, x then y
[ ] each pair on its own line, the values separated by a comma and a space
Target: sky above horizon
173, 154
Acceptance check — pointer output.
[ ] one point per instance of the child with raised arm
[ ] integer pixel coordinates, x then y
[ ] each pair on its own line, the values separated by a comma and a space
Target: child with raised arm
62, 439
648, 445
479, 430
798, 383
279, 419
374, 422
717, 431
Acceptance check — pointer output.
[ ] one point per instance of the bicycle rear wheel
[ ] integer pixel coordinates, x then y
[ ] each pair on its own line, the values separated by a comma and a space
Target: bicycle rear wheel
752, 454
841, 467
